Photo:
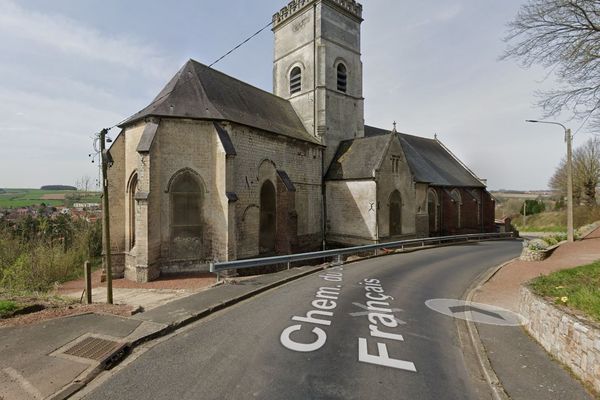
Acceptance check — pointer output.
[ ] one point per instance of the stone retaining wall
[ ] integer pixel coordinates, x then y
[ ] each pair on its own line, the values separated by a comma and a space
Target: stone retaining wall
534, 255
574, 342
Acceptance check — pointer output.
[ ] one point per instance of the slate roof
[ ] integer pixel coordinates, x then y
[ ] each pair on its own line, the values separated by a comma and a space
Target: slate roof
428, 159
357, 158
200, 92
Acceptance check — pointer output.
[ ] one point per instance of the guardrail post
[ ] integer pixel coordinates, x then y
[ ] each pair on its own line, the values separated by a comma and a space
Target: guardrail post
288, 264
211, 268
339, 260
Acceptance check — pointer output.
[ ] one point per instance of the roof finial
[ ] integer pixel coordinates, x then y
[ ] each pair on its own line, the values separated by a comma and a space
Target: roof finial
435, 136
394, 130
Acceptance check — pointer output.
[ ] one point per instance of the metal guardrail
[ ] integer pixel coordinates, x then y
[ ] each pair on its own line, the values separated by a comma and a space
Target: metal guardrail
338, 253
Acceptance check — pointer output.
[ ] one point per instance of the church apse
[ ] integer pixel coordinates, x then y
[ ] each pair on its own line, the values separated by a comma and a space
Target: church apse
187, 220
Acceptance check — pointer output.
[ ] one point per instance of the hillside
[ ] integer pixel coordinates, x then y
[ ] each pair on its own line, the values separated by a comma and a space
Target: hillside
14, 198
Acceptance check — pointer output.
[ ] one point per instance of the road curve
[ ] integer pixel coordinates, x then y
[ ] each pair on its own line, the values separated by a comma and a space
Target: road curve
318, 338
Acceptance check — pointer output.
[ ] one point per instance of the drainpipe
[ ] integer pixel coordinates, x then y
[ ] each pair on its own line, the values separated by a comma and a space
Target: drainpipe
323, 202
376, 212
442, 232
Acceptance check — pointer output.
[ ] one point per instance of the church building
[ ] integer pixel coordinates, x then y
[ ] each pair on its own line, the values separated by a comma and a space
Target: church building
217, 169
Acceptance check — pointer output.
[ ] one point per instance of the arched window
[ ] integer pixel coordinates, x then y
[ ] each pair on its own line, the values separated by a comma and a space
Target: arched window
268, 225
432, 210
458, 203
186, 217
131, 200
342, 78
295, 80
395, 213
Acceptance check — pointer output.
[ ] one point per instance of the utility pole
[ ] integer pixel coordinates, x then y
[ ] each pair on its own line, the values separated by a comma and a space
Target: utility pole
569, 140
105, 217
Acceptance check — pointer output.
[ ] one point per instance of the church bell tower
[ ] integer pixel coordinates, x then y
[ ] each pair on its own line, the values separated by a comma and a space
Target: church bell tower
317, 67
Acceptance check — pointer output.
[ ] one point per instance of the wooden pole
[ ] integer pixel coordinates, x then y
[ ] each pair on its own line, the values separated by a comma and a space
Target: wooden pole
106, 218
87, 273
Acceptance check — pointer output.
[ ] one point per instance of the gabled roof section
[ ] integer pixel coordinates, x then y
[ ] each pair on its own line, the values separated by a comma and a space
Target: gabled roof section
200, 92
430, 161
358, 158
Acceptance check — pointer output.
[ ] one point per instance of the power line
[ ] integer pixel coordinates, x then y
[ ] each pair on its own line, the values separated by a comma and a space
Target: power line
216, 61
241, 44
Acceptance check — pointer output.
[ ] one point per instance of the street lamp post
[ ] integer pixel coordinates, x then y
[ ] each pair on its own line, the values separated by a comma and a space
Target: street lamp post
569, 140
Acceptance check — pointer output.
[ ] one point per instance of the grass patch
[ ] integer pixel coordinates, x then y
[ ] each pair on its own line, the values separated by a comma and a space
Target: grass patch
551, 228
7, 307
14, 198
577, 288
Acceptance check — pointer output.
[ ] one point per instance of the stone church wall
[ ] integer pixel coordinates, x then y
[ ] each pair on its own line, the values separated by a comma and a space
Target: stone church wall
193, 146
390, 180
422, 216
116, 186
259, 156
351, 212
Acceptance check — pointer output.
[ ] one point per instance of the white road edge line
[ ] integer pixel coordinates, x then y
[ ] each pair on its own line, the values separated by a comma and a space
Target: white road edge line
24, 383
491, 378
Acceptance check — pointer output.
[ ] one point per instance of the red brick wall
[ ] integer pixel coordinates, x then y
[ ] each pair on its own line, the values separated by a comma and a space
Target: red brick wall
489, 211
469, 210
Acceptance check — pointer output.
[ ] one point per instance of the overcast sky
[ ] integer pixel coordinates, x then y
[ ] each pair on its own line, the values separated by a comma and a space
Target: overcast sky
71, 67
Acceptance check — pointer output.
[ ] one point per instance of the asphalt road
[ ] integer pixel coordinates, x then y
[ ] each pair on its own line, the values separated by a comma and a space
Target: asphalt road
256, 349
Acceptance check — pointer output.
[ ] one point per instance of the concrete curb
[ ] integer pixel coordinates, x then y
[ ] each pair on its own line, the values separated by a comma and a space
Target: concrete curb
497, 390
72, 388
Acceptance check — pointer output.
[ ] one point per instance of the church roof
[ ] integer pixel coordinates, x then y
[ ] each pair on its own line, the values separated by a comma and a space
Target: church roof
428, 159
200, 92
358, 158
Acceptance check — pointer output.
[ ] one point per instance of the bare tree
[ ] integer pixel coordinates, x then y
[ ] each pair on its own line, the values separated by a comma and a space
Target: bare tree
84, 183
587, 169
586, 173
564, 37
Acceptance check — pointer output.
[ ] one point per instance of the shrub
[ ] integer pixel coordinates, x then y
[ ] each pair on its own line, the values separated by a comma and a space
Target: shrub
37, 252
537, 244
533, 207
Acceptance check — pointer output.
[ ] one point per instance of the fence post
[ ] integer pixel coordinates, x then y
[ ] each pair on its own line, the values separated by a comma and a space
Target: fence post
87, 274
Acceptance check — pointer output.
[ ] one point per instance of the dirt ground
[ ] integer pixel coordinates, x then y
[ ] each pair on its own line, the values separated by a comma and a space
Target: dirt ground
194, 282
56, 307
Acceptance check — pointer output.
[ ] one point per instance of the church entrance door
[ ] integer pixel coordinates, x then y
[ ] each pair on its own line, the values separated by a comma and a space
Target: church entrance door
268, 224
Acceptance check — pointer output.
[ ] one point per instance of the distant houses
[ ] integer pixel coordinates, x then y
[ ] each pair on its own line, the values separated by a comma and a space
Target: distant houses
88, 211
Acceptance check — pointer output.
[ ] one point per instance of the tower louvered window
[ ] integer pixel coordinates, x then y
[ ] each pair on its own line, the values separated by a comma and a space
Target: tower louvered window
295, 80
342, 78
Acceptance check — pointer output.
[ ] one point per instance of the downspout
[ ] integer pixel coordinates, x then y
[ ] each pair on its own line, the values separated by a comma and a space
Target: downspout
323, 202
376, 212
442, 233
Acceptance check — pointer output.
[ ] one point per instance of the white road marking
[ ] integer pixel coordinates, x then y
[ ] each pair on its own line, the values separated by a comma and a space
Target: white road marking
24, 383
363, 313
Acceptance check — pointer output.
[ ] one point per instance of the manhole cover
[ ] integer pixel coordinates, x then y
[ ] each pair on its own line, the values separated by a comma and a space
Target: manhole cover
94, 348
